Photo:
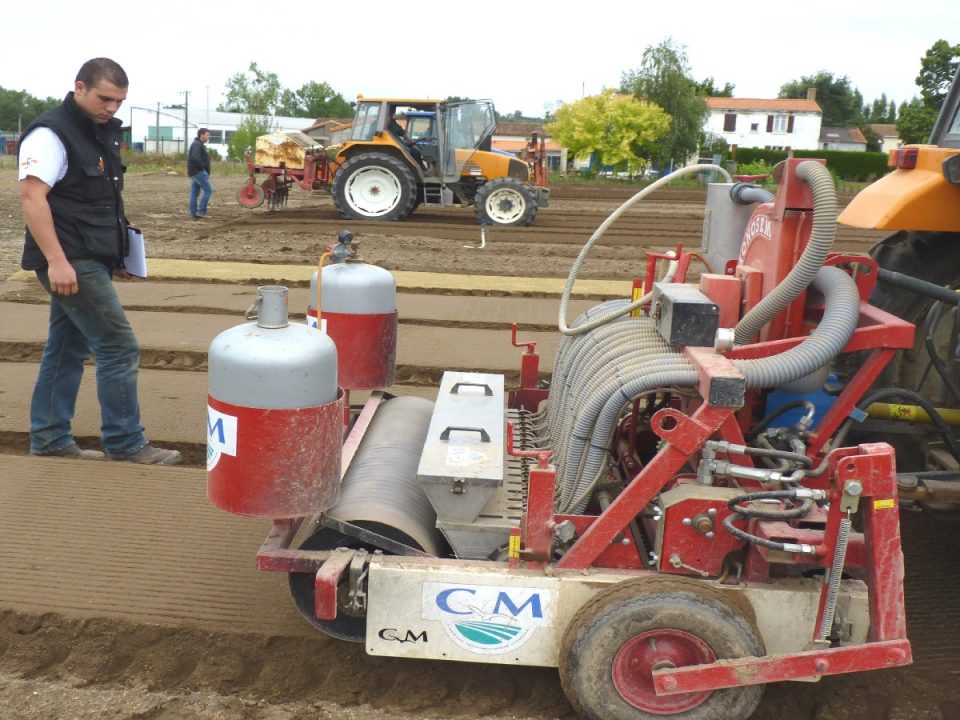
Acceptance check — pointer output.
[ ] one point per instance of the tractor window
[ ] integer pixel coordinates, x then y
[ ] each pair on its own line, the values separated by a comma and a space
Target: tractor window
466, 127
365, 121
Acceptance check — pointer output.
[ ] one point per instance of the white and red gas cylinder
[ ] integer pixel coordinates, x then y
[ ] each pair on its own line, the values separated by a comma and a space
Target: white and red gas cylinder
274, 415
359, 313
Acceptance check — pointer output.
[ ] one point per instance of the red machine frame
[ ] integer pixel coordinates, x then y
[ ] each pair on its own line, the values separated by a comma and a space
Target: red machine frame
874, 552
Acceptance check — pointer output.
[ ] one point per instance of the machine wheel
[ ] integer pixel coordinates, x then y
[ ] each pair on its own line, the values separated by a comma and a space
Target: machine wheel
505, 201
623, 633
374, 186
934, 257
250, 195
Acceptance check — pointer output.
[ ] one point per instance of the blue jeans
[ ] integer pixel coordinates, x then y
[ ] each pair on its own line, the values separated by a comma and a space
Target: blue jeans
200, 181
93, 319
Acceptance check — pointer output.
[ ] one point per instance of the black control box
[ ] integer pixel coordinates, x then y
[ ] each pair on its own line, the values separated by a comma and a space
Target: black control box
684, 315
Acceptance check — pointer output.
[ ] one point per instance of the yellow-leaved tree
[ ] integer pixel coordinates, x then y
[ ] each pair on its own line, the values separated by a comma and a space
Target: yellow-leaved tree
618, 129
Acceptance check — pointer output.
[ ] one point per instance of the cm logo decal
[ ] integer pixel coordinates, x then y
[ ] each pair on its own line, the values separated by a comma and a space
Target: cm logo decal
487, 619
401, 636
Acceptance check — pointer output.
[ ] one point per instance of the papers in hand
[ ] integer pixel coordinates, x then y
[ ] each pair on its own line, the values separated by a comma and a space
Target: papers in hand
135, 262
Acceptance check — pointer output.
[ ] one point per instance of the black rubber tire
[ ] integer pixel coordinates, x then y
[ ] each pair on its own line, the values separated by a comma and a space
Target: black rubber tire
506, 202
934, 257
613, 617
359, 202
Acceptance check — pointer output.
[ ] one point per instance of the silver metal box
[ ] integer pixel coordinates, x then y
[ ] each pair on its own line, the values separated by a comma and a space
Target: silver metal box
462, 463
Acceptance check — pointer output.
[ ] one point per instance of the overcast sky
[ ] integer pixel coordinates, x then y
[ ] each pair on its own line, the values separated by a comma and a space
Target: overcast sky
523, 55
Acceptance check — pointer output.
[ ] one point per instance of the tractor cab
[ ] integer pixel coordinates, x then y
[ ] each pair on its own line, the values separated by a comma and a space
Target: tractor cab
403, 153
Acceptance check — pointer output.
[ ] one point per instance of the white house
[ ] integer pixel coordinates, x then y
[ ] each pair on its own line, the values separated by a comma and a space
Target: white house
888, 135
775, 124
842, 138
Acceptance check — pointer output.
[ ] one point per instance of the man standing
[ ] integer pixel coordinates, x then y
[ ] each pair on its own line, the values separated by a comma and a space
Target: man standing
71, 180
198, 168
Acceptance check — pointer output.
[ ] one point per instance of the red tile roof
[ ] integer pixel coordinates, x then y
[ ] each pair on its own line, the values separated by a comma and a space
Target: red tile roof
762, 104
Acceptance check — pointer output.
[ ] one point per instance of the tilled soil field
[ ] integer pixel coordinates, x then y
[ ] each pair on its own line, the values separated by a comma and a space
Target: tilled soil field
124, 595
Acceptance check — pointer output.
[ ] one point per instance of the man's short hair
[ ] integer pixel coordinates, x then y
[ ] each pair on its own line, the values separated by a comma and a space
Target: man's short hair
97, 69
201, 131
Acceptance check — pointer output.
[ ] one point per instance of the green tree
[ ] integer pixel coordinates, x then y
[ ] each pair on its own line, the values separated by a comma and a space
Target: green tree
937, 68
915, 121
842, 104
618, 129
878, 111
663, 79
245, 136
18, 108
255, 92
706, 88
314, 99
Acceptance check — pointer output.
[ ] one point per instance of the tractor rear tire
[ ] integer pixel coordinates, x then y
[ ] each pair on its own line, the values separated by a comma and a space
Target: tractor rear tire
505, 201
374, 186
622, 634
930, 256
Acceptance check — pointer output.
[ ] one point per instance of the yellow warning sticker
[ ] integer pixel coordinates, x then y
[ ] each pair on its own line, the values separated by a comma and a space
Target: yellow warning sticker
636, 295
884, 504
514, 548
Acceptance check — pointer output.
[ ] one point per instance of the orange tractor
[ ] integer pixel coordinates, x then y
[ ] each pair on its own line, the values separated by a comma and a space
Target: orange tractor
402, 153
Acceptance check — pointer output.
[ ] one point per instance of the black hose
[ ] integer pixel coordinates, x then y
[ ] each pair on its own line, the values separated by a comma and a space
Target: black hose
734, 504
917, 398
762, 425
918, 286
768, 513
929, 331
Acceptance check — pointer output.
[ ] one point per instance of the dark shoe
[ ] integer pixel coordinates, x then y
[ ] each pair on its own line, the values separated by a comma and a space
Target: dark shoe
150, 454
73, 451
200, 216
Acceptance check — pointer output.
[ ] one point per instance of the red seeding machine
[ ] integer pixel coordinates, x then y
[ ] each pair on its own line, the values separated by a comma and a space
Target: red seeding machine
680, 514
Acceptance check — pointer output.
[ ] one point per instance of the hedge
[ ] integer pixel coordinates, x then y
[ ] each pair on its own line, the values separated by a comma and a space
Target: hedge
853, 166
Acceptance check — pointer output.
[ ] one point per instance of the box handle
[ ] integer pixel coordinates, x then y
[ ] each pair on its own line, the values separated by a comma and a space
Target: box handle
487, 390
484, 435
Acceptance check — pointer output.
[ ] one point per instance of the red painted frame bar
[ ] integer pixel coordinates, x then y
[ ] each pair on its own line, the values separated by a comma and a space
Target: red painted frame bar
689, 434
872, 465
777, 668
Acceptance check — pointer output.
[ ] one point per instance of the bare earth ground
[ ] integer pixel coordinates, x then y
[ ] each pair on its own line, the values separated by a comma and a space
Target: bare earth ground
57, 667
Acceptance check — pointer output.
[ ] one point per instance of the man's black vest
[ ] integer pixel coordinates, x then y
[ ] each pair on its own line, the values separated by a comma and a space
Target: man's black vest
86, 204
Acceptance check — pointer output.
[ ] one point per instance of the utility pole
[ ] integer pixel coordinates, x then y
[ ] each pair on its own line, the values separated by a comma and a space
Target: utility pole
186, 105
156, 137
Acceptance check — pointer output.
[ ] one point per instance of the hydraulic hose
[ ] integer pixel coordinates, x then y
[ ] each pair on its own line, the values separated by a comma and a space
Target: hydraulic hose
822, 235
935, 416
598, 233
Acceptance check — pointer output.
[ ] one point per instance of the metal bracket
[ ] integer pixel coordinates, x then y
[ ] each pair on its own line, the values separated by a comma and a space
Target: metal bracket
356, 594
369, 537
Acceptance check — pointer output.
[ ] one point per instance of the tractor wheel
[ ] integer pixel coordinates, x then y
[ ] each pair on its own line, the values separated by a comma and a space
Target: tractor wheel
250, 195
934, 257
505, 201
374, 186
930, 256
624, 633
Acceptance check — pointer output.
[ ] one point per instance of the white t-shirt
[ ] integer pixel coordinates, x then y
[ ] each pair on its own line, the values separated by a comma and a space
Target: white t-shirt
43, 156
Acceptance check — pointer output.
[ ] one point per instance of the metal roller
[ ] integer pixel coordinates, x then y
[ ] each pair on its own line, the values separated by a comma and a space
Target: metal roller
380, 492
